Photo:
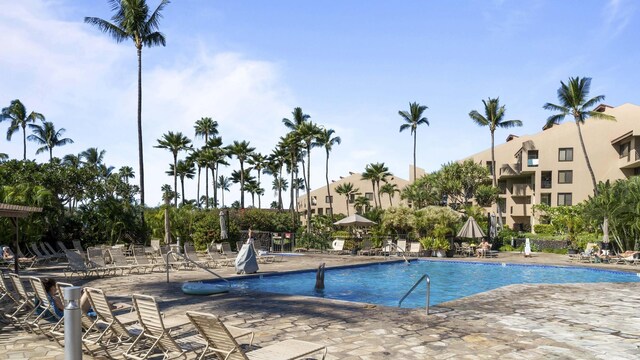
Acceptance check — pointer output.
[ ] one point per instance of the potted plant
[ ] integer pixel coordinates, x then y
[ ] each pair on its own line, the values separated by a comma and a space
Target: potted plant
427, 244
441, 245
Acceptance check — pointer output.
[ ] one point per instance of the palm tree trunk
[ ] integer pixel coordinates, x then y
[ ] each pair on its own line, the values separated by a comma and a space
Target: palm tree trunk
222, 197
259, 196
347, 203
280, 188
206, 184
215, 184
375, 199
241, 185
390, 203
379, 198
414, 155
308, 183
24, 141
198, 191
586, 158
182, 187
50, 154
326, 172
140, 152
495, 180
175, 179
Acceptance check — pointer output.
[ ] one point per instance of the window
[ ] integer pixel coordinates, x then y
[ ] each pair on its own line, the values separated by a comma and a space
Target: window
352, 198
320, 211
328, 211
490, 167
545, 198
532, 158
565, 154
624, 149
369, 195
636, 171
564, 199
565, 177
314, 200
545, 180
328, 199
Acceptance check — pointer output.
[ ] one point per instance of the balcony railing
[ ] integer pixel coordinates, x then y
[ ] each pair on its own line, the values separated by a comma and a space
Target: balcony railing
521, 190
511, 169
630, 159
532, 162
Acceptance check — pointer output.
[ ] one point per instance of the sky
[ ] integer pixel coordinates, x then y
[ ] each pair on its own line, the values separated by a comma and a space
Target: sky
351, 65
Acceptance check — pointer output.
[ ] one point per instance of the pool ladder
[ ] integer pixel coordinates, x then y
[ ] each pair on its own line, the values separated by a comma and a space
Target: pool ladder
424, 277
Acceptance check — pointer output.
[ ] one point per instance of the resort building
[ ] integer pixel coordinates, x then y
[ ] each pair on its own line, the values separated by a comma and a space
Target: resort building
549, 167
321, 202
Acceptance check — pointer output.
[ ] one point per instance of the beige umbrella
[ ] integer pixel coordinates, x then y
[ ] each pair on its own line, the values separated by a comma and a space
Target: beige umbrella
471, 229
605, 230
355, 220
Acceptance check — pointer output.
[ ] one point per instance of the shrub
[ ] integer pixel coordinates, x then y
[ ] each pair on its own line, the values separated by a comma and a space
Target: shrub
507, 248
544, 229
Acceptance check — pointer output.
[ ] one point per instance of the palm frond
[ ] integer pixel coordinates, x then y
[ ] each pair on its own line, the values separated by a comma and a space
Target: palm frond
554, 120
509, 124
478, 118
554, 107
118, 34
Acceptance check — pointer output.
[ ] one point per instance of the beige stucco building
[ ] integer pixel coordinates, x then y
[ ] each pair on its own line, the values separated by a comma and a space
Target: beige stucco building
549, 167
320, 200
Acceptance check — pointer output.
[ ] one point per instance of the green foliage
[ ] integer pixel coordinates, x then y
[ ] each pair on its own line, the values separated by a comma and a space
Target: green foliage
555, 251
341, 234
507, 248
544, 229
441, 243
486, 195
399, 220
567, 220
427, 242
436, 221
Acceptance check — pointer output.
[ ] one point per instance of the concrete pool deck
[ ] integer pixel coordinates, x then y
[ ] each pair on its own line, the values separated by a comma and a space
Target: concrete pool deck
570, 321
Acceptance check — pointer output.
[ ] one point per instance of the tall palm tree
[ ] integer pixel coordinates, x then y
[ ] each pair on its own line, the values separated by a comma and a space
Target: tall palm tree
196, 158
361, 203
47, 136
126, 173
347, 189
279, 184
413, 118
259, 163
184, 168
493, 118
92, 156
224, 183
216, 155
17, 114
389, 189
241, 150
206, 127
573, 101
253, 188
72, 160
292, 143
174, 142
308, 133
275, 162
327, 140
132, 20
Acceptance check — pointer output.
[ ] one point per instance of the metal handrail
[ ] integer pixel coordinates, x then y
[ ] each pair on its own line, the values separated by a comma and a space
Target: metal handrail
428, 279
191, 261
392, 245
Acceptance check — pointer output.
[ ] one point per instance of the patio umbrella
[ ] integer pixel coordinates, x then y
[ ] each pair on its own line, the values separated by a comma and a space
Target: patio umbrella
471, 229
355, 220
605, 230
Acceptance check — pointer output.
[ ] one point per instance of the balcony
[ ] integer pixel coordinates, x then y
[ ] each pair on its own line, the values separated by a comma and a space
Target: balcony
521, 190
507, 170
521, 210
630, 160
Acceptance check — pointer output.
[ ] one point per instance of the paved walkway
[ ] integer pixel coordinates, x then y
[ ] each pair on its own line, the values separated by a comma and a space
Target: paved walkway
571, 321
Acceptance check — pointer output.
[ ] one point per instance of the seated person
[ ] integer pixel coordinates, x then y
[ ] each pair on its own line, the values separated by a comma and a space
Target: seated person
483, 248
54, 298
8, 255
629, 254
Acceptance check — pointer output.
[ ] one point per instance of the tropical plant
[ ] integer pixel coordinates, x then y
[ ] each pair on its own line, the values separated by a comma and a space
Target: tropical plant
224, 183
206, 127
174, 142
259, 163
389, 189
376, 172
348, 190
362, 204
47, 136
493, 119
132, 20
308, 132
183, 169
327, 140
17, 114
573, 101
413, 118
242, 151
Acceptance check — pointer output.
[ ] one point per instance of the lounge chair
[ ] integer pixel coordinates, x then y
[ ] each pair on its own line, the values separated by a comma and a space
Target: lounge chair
225, 249
337, 247
387, 248
191, 254
155, 337
120, 261
401, 246
40, 255
214, 255
26, 306
78, 266
77, 246
58, 254
367, 248
46, 316
172, 261
219, 341
415, 249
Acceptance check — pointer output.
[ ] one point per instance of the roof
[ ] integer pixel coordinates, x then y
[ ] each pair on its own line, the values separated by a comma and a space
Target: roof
8, 210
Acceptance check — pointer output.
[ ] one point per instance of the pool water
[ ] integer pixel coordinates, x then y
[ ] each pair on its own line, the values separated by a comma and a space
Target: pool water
386, 283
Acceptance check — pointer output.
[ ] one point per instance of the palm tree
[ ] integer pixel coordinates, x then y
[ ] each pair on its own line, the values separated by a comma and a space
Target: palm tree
308, 132
389, 189
241, 150
224, 183
494, 118
413, 119
259, 163
183, 169
326, 140
275, 162
573, 101
174, 142
348, 190
47, 136
92, 156
376, 172
361, 203
253, 188
292, 143
17, 113
196, 157
126, 173
132, 20
216, 156
205, 127
279, 185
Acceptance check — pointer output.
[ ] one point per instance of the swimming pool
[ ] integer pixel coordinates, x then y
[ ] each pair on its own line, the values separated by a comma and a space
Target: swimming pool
386, 283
